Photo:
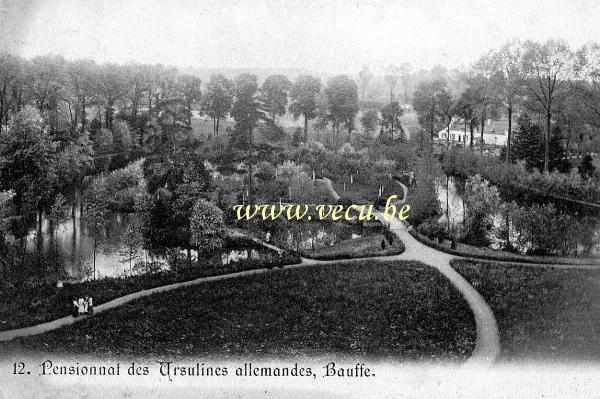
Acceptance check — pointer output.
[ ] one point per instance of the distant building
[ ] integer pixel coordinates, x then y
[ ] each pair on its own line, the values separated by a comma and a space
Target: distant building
494, 133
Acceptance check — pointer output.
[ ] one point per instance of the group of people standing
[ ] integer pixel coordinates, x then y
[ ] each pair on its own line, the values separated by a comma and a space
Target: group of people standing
83, 306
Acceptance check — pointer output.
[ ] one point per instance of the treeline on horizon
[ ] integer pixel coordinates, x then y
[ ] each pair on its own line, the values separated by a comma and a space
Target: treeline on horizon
80, 113
549, 81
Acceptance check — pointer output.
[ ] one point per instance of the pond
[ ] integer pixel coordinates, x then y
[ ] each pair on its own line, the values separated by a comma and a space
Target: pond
450, 196
72, 239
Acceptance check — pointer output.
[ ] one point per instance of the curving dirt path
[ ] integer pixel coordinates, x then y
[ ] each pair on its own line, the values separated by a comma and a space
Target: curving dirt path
487, 345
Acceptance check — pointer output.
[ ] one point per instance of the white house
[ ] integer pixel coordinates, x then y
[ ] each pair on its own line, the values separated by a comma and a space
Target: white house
495, 133
454, 135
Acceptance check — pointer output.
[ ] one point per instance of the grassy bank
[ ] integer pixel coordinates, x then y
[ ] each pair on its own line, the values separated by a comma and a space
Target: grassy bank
543, 313
362, 247
399, 310
470, 251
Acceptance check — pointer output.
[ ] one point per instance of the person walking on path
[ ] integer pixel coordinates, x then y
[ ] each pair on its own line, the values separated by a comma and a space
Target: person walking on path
80, 306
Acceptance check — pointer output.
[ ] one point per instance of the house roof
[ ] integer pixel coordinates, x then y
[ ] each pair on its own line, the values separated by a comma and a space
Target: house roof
498, 127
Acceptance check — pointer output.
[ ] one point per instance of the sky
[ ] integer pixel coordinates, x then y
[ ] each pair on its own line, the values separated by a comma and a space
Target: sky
328, 36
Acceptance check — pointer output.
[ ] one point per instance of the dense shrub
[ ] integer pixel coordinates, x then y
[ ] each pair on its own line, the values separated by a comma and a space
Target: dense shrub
423, 196
432, 229
543, 230
481, 202
119, 188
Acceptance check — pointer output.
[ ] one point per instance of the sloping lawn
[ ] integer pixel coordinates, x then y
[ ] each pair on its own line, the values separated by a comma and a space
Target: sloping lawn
24, 306
399, 310
543, 313
363, 192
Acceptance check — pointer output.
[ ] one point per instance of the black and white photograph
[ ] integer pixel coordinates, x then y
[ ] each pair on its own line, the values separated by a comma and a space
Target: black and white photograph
299, 199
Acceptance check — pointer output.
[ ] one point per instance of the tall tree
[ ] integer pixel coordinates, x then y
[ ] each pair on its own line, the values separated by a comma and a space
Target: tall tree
426, 102
45, 82
303, 96
405, 78
74, 162
548, 67
446, 109
369, 121
505, 68
392, 74
94, 216
246, 109
528, 143
274, 95
390, 118
480, 80
587, 67
466, 107
189, 88
574, 114
341, 104
79, 93
247, 112
136, 85
111, 89
207, 226
587, 87
365, 75
27, 163
9, 72
217, 99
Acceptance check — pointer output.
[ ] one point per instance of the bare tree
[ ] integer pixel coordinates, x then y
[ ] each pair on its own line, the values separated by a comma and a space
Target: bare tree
505, 68
392, 74
406, 79
548, 67
480, 80
365, 75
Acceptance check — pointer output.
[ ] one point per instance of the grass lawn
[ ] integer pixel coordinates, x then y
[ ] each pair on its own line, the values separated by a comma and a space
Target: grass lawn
360, 193
542, 313
360, 247
410, 122
397, 310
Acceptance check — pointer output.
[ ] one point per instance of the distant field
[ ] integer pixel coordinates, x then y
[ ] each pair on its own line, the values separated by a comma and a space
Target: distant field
410, 122
203, 128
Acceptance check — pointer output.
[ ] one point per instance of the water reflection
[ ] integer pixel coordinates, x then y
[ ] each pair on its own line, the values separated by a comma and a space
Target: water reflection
236, 255
450, 195
73, 240
75, 243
